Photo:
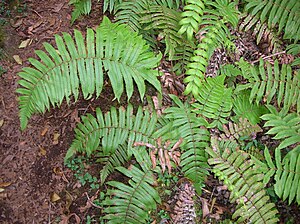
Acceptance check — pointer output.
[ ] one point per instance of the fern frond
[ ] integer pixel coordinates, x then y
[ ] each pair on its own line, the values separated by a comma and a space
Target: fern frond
287, 175
243, 108
273, 82
244, 180
294, 49
110, 5
131, 203
262, 32
278, 13
284, 126
191, 17
214, 101
82, 7
110, 162
113, 49
111, 130
192, 130
214, 33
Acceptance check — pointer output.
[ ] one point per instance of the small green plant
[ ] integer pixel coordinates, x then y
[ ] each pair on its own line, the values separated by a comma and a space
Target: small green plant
2, 71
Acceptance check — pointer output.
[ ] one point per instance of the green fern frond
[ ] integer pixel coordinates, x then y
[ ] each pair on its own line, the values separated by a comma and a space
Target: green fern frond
110, 162
192, 130
191, 17
261, 31
287, 175
285, 126
280, 14
131, 203
82, 7
244, 180
294, 49
273, 82
215, 101
243, 108
111, 130
214, 33
110, 5
113, 49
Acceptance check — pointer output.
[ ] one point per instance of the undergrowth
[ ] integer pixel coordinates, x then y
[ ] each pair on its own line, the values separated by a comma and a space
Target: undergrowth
217, 126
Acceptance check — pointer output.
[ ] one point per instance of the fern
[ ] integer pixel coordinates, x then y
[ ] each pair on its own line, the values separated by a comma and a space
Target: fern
244, 181
111, 130
214, 101
243, 108
272, 82
191, 17
131, 203
294, 49
287, 173
281, 13
193, 130
261, 31
284, 126
118, 158
213, 34
113, 49
111, 5
82, 7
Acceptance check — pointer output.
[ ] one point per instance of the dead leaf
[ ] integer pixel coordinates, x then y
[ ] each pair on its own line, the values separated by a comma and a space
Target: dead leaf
205, 209
18, 59
55, 138
17, 23
58, 7
1, 122
5, 184
54, 197
25, 43
1, 190
34, 26
69, 200
42, 151
45, 130
65, 218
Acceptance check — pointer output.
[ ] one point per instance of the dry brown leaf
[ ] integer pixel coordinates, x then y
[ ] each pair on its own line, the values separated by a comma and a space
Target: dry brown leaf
58, 7
18, 59
205, 209
69, 200
17, 23
5, 184
42, 151
1, 122
54, 197
45, 130
55, 138
65, 218
168, 162
25, 43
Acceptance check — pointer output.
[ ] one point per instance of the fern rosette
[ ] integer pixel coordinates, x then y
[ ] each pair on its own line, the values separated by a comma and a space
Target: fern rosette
82, 65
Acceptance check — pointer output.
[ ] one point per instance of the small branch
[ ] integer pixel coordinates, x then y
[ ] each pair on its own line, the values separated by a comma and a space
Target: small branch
269, 56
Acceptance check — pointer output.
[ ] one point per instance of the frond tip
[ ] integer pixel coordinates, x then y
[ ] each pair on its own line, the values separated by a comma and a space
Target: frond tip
82, 64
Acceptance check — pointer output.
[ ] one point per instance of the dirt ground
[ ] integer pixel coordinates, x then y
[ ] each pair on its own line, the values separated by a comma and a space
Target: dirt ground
35, 185
32, 173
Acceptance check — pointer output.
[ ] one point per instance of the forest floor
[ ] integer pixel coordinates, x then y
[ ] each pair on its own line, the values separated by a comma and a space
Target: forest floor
35, 186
